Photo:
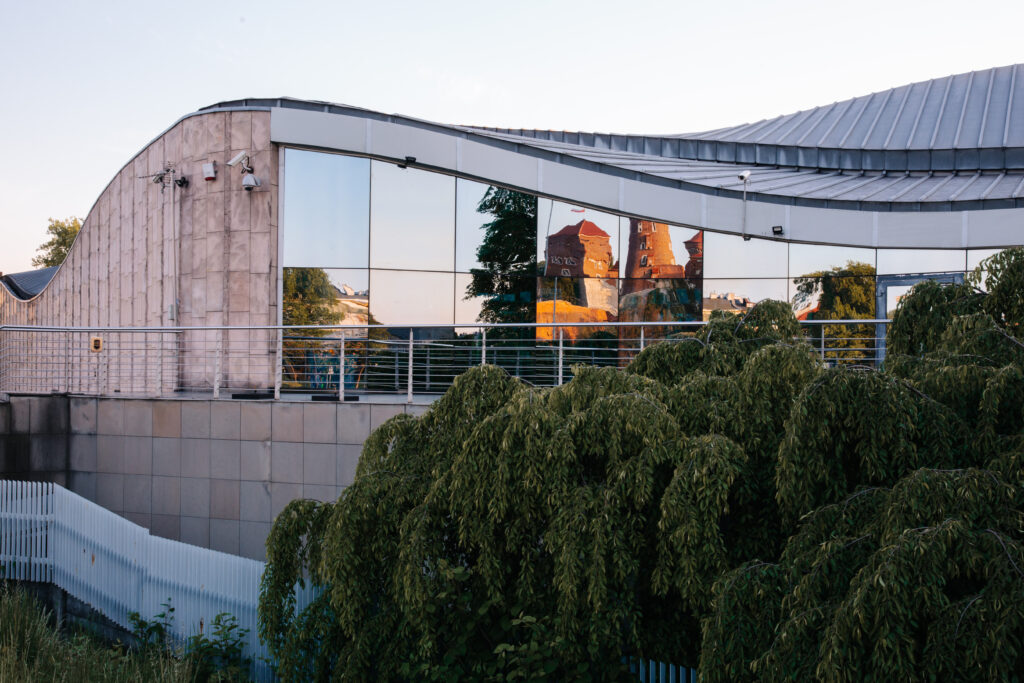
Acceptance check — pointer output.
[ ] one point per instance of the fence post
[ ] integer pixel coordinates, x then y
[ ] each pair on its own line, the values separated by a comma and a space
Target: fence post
408, 397
278, 364
822, 329
218, 350
560, 330
641, 337
483, 346
341, 369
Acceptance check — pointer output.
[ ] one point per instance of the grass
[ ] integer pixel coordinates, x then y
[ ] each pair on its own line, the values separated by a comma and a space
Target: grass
32, 649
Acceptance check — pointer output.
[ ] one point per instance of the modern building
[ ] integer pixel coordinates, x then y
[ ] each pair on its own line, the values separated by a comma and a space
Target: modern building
254, 213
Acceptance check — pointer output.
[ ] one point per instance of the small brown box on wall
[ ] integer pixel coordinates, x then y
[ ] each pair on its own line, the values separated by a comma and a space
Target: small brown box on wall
95, 344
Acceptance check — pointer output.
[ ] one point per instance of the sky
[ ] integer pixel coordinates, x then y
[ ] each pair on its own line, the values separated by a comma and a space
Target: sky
85, 86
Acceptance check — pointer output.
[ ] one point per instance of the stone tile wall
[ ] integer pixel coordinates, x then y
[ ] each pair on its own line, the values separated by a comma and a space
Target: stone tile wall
210, 473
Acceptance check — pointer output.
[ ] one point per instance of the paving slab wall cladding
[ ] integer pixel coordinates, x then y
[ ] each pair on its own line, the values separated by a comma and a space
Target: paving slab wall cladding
207, 472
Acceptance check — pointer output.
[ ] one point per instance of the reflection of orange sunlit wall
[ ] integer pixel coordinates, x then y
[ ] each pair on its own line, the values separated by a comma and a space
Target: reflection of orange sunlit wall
583, 252
655, 286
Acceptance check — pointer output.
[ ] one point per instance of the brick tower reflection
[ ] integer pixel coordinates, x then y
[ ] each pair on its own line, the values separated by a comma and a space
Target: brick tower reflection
650, 256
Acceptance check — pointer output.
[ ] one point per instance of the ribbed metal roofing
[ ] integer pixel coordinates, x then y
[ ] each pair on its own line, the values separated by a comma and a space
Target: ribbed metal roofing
27, 284
953, 143
966, 122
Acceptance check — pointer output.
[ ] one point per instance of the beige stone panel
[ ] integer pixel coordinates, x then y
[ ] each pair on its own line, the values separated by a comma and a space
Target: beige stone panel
241, 131
198, 299
260, 297
186, 198
214, 293
264, 211
259, 252
238, 251
215, 252
241, 205
260, 131
238, 291
215, 133
199, 261
215, 212
192, 133
172, 146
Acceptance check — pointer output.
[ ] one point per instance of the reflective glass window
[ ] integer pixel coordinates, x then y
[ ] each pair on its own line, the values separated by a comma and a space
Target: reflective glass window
326, 210
899, 261
730, 256
649, 249
573, 241
737, 295
976, 256
805, 259
576, 300
659, 300
325, 296
402, 297
412, 219
486, 297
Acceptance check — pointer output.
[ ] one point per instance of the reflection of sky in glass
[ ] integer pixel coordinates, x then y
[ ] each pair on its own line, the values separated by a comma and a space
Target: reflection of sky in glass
730, 257
412, 298
895, 261
755, 290
892, 296
466, 310
553, 216
413, 214
326, 209
356, 278
811, 258
468, 222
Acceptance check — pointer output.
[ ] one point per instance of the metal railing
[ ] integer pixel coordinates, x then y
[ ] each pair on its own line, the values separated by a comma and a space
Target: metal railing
345, 361
49, 534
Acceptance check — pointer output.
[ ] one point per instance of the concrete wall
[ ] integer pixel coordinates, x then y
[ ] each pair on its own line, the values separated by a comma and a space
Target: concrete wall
211, 473
205, 254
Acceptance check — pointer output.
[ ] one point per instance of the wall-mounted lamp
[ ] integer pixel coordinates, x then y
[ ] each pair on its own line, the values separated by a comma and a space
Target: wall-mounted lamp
181, 182
776, 229
408, 162
745, 177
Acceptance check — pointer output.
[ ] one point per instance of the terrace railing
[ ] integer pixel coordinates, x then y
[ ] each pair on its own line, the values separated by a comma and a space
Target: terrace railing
347, 361
49, 534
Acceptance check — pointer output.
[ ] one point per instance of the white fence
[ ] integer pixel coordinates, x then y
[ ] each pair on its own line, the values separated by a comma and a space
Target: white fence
49, 534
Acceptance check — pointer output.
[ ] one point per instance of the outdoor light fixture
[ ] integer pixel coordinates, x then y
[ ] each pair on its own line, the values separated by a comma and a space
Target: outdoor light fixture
745, 177
776, 229
181, 182
408, 162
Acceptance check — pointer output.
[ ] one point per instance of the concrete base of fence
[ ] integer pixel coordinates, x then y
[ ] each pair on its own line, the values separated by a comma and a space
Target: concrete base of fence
70, 613
212, 473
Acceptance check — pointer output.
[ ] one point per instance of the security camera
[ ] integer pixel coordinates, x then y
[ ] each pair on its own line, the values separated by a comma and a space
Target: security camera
249, 181
744, 176
238, 157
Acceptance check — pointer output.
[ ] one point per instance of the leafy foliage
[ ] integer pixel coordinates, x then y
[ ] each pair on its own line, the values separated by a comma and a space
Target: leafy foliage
62, 236
726, 501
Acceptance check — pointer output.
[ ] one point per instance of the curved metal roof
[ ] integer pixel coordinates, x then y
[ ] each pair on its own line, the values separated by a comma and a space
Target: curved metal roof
952, 143
966, 122
29, 283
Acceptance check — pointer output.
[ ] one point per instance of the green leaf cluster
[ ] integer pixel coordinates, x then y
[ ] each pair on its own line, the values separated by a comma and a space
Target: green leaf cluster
726, 501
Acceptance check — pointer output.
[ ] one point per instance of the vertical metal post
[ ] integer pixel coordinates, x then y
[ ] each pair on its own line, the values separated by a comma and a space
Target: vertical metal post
483, 346
641, 337
218, 350
278, 364
821, 328
341, 369
408, 397
560, 330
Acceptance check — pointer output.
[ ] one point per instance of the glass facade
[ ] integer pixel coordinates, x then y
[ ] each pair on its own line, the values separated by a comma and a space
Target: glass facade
373, 242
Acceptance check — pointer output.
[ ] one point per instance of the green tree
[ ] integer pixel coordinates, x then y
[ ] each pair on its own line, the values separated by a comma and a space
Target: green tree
507, 256
726, 501
308, 298
843, 293
62, 236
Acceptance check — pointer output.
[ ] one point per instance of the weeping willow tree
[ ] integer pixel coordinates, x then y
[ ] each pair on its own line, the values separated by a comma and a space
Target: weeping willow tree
725, 502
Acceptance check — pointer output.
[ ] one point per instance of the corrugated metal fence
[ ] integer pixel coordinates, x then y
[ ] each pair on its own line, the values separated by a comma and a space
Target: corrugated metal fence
48, 534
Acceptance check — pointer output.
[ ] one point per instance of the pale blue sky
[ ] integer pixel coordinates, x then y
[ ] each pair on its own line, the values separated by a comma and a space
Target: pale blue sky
86, 85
